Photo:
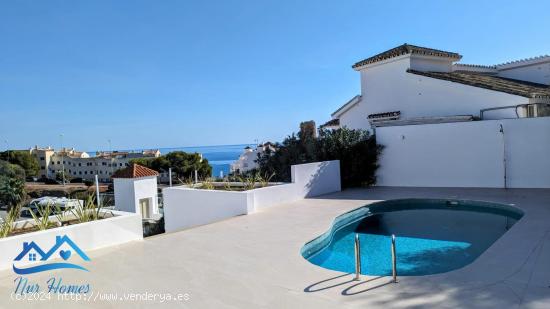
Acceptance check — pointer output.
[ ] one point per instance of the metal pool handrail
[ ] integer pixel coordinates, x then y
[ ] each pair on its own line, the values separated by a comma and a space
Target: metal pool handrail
393, 259
357, 257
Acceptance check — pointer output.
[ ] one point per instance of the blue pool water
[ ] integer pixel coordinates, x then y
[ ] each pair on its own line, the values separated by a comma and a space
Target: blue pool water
432, 236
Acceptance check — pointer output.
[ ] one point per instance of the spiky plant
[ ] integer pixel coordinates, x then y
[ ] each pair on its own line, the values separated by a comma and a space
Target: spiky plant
7, 225
42, 220
208, 183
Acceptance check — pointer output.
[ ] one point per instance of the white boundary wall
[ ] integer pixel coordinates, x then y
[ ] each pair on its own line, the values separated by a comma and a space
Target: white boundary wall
122, 228
467, 154
186, 207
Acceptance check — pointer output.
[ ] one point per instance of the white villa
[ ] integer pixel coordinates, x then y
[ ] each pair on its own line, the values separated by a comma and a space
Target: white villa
79, 164
431, 112
247, 160
411, 83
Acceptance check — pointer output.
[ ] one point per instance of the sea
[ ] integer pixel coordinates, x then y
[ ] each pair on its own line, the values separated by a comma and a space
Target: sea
219, 157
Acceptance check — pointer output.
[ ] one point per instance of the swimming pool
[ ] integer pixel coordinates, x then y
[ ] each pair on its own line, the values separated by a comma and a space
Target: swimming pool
432, 236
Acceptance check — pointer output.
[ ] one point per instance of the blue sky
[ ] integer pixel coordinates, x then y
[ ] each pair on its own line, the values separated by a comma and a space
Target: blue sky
183, 73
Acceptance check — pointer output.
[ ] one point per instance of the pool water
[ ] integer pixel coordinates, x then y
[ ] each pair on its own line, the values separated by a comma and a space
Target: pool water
432, 236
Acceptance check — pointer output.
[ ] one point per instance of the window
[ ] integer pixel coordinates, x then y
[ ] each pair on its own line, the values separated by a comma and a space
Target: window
42, 167
53, 163
58, 162
32, 256
41, 158
79, 172
79, 164
120, 164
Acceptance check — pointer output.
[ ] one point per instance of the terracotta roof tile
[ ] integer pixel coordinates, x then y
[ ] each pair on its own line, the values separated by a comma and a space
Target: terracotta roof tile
135, 171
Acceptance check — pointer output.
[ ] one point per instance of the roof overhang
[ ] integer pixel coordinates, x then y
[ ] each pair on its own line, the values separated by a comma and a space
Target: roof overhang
344, 108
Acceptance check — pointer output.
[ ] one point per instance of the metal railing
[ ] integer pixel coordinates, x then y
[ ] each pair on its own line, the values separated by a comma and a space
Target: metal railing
357, 257
393, 259
357, 245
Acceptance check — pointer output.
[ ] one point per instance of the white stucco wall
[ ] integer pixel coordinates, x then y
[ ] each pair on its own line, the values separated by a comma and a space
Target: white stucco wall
467, 154
388, 87
122, 228
314, 179
537, 73
124, 195
128, 192
187, 207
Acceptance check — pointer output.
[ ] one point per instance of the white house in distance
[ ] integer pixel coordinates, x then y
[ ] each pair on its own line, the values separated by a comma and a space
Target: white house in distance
450, 124
247, 160
136, 191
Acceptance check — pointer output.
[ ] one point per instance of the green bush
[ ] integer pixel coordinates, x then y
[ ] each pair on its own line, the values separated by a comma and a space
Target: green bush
22, 158
356, 149
12, 191
11, 170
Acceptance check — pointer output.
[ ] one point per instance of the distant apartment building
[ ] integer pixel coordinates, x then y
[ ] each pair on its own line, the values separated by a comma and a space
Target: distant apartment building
79, 164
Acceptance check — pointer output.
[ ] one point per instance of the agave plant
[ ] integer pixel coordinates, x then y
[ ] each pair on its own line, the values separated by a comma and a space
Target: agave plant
227, 186
89, 211
249, 182
42, 220
264, 180
61, 214
208, 183
6, 226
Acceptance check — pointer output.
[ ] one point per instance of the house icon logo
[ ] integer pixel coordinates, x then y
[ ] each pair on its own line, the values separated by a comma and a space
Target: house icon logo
64, 248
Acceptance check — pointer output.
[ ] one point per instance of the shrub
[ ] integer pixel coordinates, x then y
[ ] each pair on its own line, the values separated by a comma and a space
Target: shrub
22, 158
356, 149
12, 191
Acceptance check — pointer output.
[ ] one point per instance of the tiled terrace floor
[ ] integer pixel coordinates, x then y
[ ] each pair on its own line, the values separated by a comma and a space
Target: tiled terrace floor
254, 261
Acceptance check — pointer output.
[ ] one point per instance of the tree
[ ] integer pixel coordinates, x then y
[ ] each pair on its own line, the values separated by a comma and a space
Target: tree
11, 170
22, 158
356, 149
12, 191
59, 176
183, 164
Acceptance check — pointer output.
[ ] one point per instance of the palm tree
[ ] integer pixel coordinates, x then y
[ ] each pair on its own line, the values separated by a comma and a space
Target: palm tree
12, 191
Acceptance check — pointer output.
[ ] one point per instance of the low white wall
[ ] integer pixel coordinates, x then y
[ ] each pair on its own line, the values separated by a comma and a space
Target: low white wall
318, 178
467, 154
122, 228
270, 196
187, 207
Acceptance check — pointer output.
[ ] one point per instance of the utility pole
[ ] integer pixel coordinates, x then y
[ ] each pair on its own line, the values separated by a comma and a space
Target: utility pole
111, 156
62, 160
